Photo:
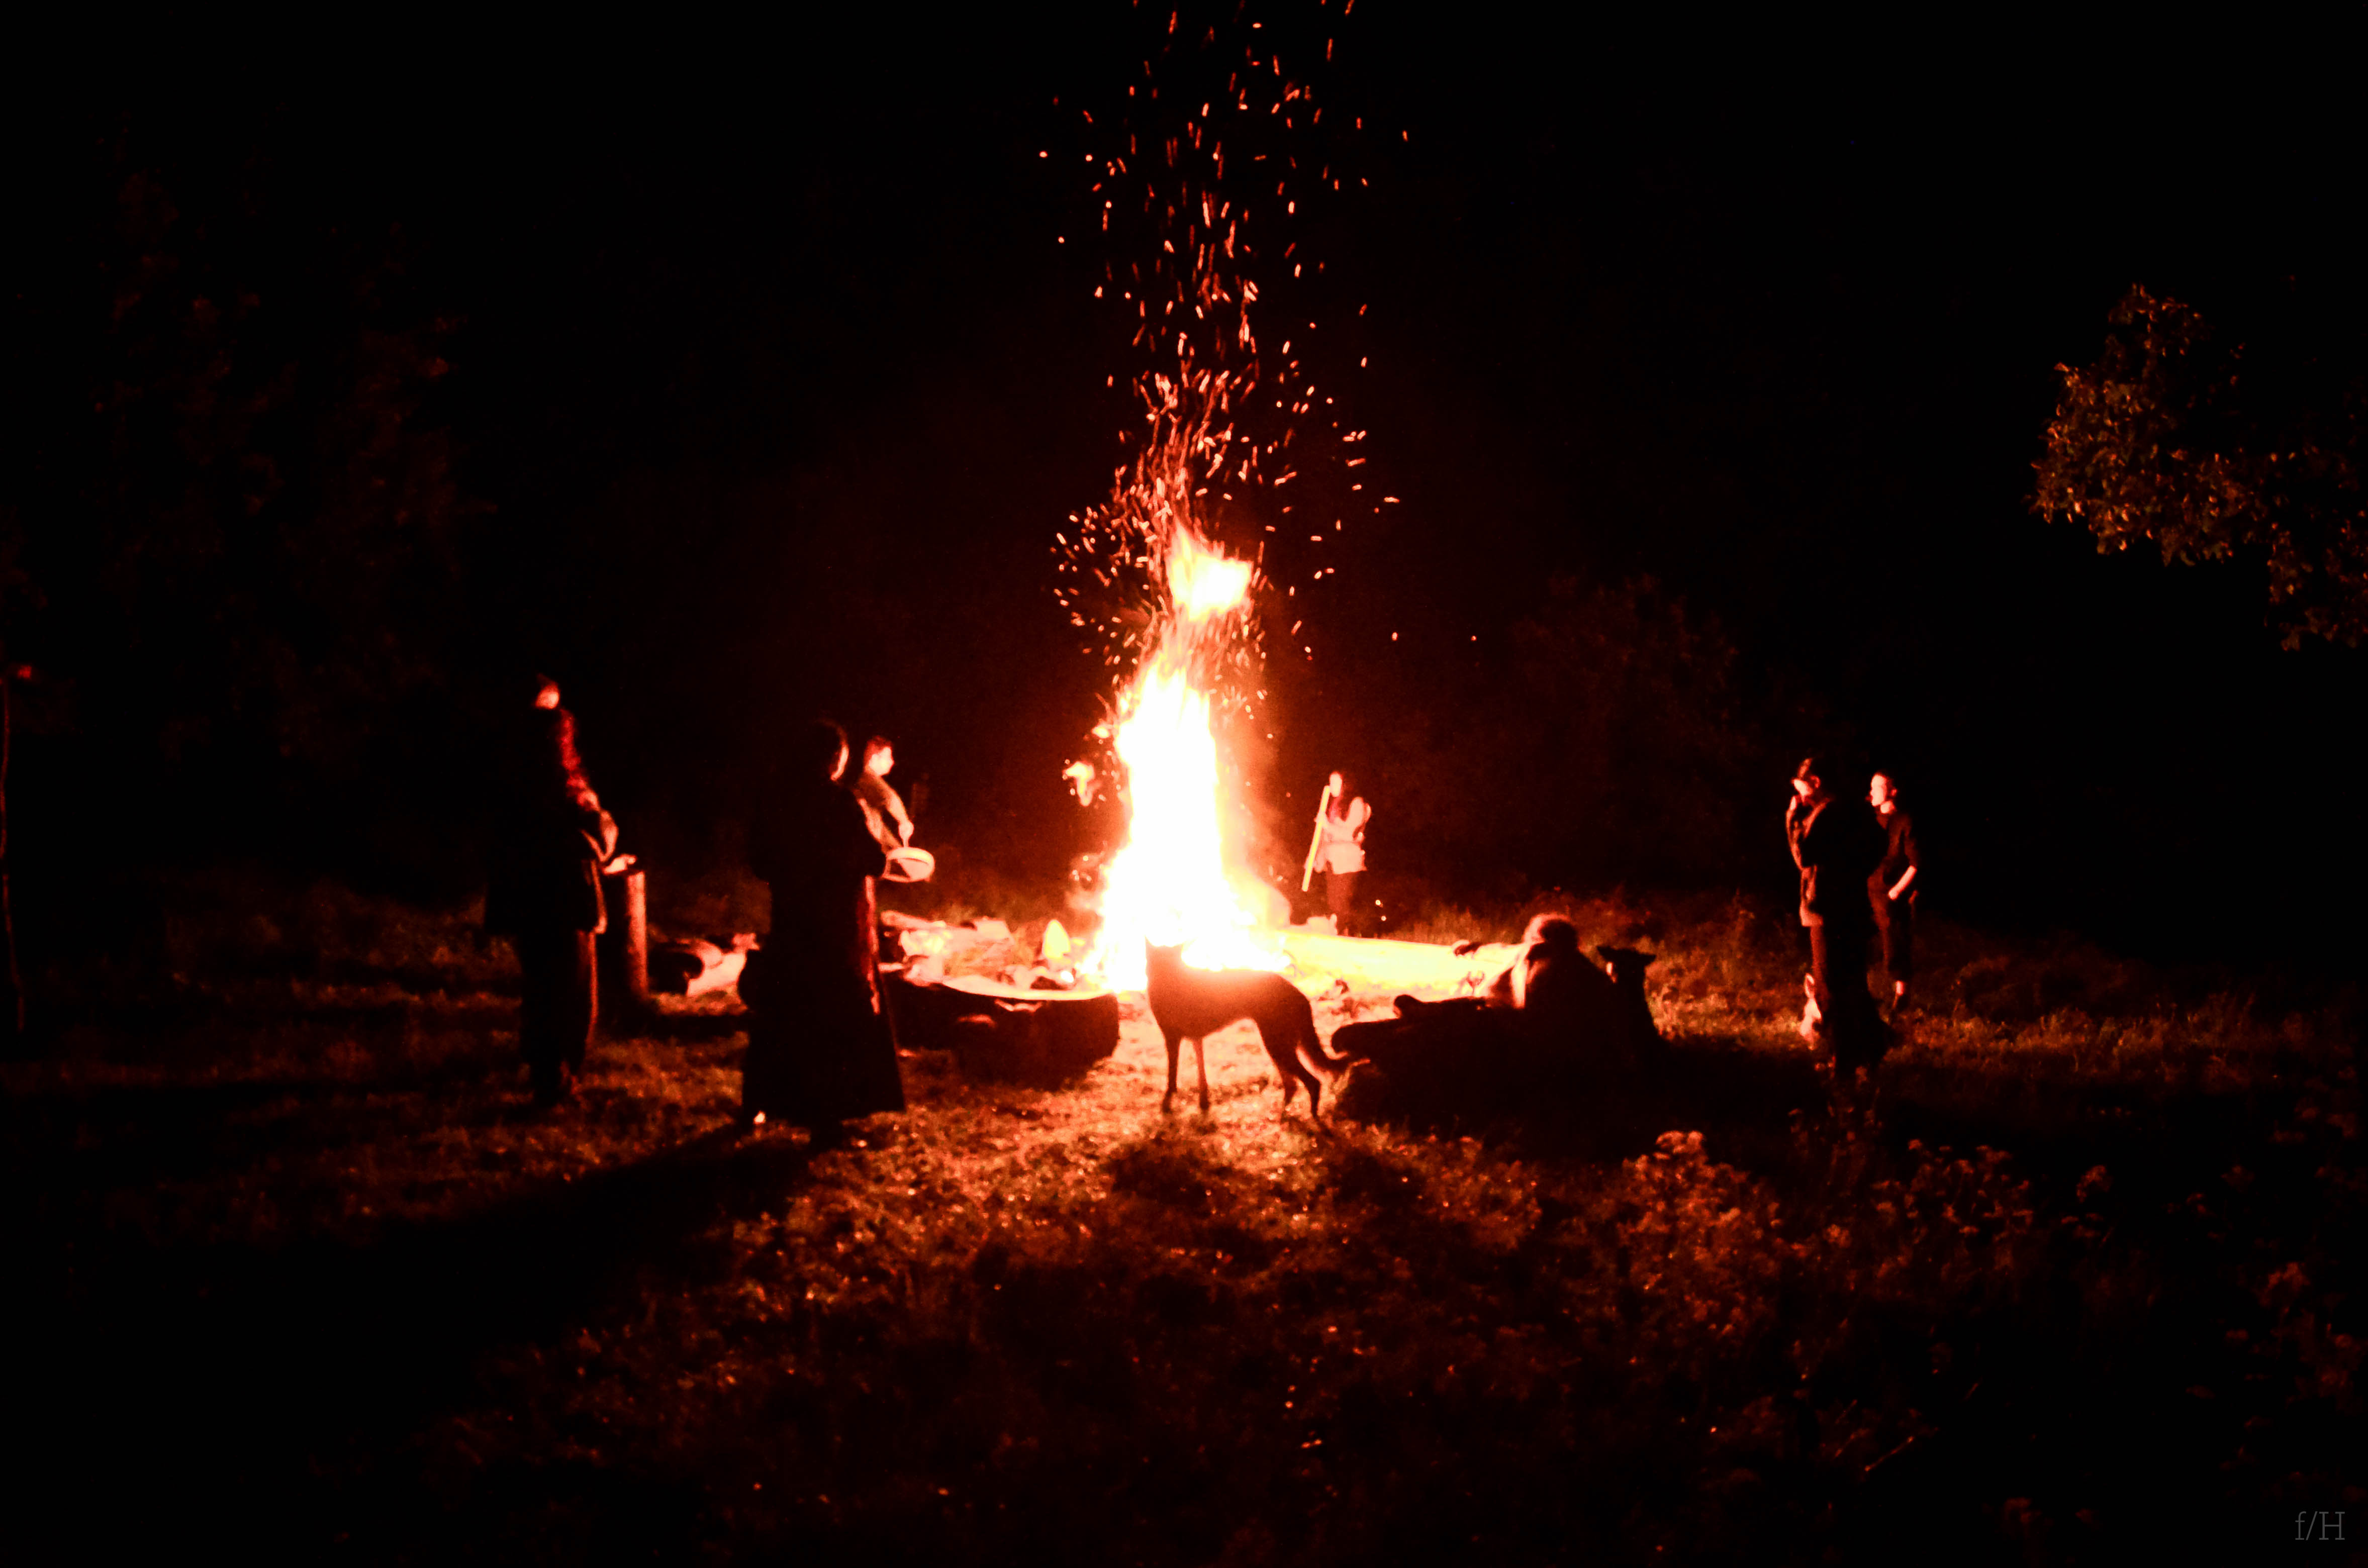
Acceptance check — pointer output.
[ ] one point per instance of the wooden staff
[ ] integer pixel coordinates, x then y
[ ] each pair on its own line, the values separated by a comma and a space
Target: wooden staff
1316, 844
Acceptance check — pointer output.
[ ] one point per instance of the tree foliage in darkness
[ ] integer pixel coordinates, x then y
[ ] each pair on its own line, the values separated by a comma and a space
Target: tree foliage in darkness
1608, 742
244, 522
2173, 440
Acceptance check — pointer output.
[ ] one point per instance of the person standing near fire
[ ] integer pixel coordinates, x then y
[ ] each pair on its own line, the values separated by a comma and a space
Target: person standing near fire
819, 1052
883, 809
1836, 845
1341, 849
550, 838
1890, 891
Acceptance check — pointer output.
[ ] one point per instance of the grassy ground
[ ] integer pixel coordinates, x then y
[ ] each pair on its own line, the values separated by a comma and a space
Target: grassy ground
297, 1271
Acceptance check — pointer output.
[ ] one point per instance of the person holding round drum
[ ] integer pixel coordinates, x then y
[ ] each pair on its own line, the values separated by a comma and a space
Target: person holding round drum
819, 1052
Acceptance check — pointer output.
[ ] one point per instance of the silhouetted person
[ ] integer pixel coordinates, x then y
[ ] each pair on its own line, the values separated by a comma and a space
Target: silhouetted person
883, 809
1341, 849
819, 1053
550, 838
1890, 891
1836, 845
1531, 981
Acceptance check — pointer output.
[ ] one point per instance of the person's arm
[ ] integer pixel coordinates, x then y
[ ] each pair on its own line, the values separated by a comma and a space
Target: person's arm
863, 854
1360, 813
1907, 877
598, 828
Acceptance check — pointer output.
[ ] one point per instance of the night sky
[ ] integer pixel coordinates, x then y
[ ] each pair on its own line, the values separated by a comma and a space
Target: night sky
774, 365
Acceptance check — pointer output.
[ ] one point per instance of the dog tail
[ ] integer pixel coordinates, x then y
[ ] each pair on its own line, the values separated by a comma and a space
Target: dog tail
1312, 1046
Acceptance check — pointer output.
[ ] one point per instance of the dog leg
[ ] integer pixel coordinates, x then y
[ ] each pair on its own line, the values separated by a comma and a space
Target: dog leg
1307, 1059
1291, 1072
1200, 1059
1169, 1098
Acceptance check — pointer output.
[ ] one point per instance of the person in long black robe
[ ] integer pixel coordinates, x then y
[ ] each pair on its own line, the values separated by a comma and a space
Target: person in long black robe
819, 1050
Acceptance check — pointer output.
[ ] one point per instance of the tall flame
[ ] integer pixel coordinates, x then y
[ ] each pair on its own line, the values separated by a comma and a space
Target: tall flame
1169, 883
1172, 611
1202, 582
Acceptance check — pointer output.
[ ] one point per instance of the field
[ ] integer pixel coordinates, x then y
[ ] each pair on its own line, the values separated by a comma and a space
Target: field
297, 1273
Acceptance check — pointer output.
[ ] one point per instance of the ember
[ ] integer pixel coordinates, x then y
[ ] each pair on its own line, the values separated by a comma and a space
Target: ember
1148, 570
1161, 573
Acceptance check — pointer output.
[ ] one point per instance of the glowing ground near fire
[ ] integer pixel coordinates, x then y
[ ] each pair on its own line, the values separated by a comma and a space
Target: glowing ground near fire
1055, 1326
996, 962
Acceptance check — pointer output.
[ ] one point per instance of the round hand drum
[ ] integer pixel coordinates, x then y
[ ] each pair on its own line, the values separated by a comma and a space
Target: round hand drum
909, 864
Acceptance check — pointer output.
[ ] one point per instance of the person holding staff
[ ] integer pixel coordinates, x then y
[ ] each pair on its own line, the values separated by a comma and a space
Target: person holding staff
1340, 848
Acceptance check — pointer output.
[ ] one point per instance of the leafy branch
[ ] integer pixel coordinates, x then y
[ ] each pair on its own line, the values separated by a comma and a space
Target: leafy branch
2169, 438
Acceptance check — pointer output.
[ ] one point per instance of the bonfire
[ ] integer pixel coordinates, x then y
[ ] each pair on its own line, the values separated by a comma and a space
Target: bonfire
1150, 570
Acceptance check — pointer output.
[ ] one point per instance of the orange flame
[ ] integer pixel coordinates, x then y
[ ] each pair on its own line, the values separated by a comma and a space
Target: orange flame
1169, 883
1202, 582
1174, 613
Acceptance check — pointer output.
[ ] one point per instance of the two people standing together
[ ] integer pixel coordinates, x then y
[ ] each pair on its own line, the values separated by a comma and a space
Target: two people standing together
1858, 864
820, 1052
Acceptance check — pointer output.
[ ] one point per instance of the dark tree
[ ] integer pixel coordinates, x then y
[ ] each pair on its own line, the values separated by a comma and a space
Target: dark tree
244, 520
2171, 437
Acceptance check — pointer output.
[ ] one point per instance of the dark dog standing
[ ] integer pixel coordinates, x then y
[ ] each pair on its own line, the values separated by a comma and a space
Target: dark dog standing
1192, 1003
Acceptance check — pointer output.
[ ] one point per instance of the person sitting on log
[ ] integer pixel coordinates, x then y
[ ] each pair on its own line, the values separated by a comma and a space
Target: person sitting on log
1545, 942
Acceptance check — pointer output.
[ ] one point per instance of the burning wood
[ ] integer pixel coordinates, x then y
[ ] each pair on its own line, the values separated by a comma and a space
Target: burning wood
1148, 570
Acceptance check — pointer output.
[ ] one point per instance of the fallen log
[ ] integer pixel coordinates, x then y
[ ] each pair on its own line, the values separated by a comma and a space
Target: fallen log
1001, 1032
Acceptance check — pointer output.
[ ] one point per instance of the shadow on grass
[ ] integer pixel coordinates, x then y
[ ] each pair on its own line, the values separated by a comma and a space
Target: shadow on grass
116, 1137
229, 1378
1743, 1101
678, 1027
